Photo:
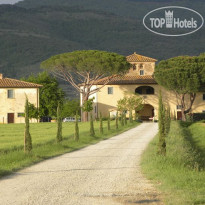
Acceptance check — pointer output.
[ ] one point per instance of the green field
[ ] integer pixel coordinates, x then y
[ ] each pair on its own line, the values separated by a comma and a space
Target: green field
12, 157
180, 176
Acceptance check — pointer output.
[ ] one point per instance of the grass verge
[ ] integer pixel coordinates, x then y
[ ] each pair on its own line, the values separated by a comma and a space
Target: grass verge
12, 157
180, 176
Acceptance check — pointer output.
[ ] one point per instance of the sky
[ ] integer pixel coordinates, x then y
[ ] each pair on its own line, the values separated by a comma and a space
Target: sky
9, 1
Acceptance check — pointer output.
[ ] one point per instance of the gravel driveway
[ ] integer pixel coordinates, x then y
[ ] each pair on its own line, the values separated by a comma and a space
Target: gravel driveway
106, 173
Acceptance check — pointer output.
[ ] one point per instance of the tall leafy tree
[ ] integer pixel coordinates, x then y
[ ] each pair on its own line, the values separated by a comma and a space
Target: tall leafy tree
133, 102
183, 75
70, 107
27, 135
50, 94
83, 69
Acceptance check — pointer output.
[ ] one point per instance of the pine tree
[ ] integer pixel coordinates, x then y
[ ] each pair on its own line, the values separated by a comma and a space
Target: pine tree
27, 135
162, 143
101, 124
76, 135
108, 122
92, 130
59, 124
116, 121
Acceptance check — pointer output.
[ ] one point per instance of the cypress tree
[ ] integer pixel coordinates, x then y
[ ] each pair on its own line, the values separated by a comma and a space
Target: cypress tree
116, 121
101, 124
76, 135
167, 121
27, 135
92, 130
122, 119
130, 116
162, 143
59, 124
108, 122
125, 119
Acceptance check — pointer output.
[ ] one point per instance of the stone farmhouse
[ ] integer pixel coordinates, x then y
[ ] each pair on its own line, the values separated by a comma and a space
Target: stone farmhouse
139, 80
13, 97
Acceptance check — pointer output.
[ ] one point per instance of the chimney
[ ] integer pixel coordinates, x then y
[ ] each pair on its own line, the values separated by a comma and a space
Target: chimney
134, 52
1, 76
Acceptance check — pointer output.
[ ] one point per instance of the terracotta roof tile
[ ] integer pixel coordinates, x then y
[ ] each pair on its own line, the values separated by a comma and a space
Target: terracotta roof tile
139, 58
127, 79
13, 83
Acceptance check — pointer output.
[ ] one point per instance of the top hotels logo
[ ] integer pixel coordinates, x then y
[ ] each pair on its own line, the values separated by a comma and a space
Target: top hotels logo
173, 21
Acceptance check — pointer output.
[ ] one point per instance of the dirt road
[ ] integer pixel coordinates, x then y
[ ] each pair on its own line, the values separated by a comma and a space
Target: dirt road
106, 173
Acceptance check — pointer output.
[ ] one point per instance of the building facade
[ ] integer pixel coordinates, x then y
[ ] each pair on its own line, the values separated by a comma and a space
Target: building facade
13, 95
140, 80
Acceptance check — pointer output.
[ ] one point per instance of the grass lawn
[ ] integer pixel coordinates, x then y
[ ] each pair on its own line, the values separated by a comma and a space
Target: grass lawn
12, 157
180, 176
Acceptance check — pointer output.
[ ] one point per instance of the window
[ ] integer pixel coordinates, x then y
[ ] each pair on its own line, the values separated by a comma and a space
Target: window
134, 67
145, 90
141, 72
21, 114
141, 66
110, 90
204, 96
10, 93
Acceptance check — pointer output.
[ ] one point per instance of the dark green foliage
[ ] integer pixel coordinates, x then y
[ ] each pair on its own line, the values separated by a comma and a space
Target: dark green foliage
70, 107
88, 105
27, 135
198, 116
116, 121
76, 134
185, 75
161, 122
108, 122
101, 124
50, 94
33, 111
59, 136
92, 130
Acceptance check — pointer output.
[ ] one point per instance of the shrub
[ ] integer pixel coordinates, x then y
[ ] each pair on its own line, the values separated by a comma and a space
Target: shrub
198, 117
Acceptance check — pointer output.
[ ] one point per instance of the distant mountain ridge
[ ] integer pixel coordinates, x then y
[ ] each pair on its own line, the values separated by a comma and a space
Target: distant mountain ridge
32, 31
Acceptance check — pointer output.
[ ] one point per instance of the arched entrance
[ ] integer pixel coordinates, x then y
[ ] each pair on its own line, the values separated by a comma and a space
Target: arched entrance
147, 112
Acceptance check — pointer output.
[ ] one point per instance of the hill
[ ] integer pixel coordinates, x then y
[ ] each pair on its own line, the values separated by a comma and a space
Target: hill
31, 31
